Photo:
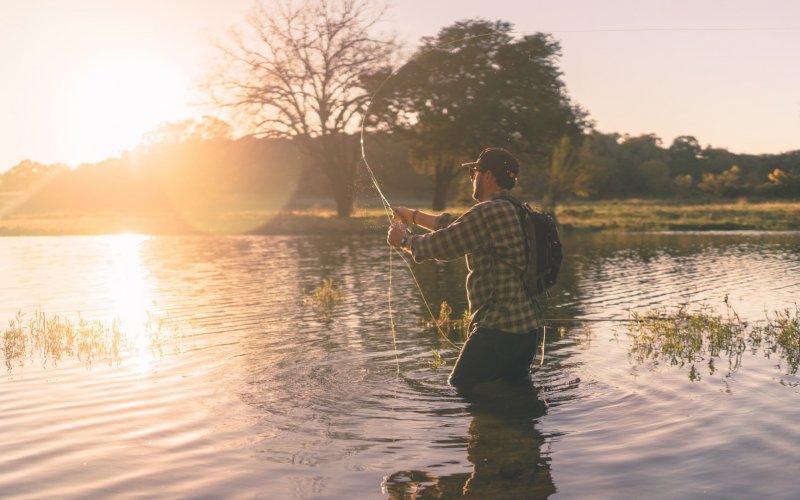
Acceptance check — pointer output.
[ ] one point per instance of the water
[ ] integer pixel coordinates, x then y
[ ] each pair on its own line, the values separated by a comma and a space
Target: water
252, 391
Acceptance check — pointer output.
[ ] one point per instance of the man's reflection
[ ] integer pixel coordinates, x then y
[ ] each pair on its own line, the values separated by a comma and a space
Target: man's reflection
503, 446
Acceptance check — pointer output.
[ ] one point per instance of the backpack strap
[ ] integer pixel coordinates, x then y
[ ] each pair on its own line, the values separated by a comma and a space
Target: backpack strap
522, 208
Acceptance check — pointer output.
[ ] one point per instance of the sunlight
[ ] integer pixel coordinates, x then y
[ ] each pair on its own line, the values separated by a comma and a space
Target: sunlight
130, 291
115, 101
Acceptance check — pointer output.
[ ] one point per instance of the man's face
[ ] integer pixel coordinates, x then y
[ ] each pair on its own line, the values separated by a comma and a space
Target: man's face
478, 178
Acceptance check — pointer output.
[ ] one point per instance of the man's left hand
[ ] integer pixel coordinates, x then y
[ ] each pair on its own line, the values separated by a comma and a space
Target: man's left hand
396, 233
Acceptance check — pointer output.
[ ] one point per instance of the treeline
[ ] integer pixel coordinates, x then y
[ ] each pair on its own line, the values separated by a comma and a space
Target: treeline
188, 166
195, 166
602, 166
305, 100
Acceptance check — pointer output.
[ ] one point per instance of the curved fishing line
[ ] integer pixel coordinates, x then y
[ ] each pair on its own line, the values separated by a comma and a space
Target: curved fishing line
391, 316
387, 207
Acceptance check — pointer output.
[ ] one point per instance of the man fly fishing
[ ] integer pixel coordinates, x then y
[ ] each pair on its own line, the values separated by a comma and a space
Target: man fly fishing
505, 326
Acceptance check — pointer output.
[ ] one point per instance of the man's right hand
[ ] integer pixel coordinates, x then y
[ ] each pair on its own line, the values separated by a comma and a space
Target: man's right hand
403, 214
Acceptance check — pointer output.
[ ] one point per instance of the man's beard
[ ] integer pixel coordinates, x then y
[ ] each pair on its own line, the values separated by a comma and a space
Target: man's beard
477, 192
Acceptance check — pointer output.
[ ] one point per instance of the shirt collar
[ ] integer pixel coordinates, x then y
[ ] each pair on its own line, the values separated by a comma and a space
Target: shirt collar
500, 193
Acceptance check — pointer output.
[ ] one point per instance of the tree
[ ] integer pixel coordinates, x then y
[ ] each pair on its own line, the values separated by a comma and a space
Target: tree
683, 184
27, 175
655, 177
297, 75
570, 172
208, 128
685, 155
602, 162
634, 151
727, 184
475, 85
780, 183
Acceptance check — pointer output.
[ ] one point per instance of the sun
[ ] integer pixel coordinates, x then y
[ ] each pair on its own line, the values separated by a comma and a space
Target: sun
112, 102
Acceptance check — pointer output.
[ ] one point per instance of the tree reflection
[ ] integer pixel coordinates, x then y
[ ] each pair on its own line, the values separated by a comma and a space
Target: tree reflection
503, 445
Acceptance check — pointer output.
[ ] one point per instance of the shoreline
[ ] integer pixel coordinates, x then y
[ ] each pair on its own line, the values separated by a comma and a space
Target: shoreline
614, 216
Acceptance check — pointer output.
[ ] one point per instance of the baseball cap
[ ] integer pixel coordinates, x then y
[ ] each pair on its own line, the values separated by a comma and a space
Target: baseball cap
498, 160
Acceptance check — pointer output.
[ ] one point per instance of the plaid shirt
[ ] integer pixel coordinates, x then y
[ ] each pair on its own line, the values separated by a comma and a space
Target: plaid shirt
490, 236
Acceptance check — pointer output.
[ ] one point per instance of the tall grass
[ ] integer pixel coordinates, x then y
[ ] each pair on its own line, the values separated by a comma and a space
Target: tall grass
693, 337
458, 327
437, 361
324, 297
49, 339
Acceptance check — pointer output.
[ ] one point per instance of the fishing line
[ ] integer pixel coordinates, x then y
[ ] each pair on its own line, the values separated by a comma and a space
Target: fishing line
672, 29
387, 207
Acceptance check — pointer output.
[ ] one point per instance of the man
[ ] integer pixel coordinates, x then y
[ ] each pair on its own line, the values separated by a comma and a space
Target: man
505, 325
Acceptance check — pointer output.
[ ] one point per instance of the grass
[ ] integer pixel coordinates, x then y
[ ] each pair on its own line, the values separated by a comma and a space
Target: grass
639, 215
458, 327
50, 339
692, 337
622, 216
324, 297
437, 361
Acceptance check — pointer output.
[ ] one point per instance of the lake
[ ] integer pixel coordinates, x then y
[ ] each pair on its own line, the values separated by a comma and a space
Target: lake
226, 378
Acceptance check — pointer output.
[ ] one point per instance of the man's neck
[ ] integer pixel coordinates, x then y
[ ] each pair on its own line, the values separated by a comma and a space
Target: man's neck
488, 193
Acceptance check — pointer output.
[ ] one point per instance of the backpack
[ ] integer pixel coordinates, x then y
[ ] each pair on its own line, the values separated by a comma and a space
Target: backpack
543, 251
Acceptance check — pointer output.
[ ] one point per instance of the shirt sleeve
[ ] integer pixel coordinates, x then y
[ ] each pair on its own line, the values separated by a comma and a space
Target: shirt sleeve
445, 219
464, 235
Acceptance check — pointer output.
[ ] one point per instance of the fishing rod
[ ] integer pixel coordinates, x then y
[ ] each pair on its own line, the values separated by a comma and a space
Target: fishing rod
387, 206
602, 320
588, 320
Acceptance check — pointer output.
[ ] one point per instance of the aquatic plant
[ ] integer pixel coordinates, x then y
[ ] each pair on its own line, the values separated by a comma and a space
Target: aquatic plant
324, 297
52, 338
781, 336
14, 341
437, 361
689, 337
449, 325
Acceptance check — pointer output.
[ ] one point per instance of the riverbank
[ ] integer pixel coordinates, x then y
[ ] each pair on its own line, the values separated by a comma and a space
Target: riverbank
615, 216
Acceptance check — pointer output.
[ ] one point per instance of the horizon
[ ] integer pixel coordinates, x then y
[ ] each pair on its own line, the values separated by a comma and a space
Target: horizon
726, 76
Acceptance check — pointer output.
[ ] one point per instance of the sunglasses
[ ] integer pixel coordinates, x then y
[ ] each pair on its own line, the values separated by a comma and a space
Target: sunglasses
473, 172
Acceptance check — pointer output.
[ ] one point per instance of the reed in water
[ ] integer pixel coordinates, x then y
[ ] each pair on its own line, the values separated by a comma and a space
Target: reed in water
51, 338
694, 336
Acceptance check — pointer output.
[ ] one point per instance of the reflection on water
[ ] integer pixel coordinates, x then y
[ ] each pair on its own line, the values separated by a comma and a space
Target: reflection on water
129, 280
271, 397
503, 446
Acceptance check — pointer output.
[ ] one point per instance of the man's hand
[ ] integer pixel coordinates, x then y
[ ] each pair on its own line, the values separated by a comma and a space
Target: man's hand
403, 214
396, 232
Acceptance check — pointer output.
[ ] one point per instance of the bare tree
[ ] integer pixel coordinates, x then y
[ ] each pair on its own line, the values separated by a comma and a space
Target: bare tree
296, 72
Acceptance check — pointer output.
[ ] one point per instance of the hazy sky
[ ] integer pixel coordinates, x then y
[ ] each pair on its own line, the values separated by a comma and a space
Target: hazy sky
82, 80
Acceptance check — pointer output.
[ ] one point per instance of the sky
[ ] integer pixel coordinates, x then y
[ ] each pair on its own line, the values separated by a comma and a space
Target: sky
83, 80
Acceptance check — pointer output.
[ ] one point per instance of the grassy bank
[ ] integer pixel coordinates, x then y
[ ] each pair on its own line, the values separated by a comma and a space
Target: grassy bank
637, 215
618, 216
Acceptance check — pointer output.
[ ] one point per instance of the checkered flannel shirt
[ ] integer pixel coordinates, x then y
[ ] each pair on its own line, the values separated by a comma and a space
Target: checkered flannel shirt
490, 236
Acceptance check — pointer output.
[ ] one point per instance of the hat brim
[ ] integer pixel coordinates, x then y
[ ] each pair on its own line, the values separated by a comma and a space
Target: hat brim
471, 164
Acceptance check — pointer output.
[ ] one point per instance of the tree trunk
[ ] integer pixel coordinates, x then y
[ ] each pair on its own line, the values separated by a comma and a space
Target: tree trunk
441, 187
344, 204
342, 188
334, 158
